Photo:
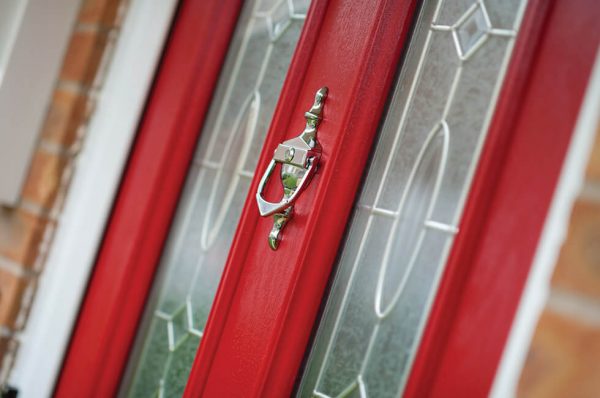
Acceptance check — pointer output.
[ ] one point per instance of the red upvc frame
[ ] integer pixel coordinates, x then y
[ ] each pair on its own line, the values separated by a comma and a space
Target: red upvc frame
261, 321
147, 198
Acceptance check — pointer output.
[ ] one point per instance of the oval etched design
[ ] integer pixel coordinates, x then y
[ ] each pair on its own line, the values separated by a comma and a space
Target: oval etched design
225, 185
408, 230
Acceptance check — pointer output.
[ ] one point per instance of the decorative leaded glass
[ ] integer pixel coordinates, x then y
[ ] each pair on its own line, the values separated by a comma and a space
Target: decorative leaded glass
408, 212
216, 188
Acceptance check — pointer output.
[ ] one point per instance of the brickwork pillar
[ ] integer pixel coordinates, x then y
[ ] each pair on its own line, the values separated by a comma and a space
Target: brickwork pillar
26, 229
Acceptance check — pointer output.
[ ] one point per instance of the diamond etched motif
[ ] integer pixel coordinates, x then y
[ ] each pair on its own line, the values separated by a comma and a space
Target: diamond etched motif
472, 31
278, 20
177, 329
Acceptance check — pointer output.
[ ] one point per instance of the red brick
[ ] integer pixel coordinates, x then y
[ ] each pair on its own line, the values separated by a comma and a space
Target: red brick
84, 56
20, 235
593, 169
102, 12
12, 288
562, 361
44, 179
67, 112
578, 267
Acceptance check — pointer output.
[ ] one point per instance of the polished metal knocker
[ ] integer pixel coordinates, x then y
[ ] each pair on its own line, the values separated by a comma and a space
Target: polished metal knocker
299, 158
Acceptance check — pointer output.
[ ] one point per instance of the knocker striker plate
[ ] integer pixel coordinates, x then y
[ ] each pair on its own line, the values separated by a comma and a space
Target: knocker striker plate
299, 158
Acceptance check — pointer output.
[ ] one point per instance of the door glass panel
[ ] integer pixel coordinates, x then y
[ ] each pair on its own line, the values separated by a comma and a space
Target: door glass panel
408, 211
214, 193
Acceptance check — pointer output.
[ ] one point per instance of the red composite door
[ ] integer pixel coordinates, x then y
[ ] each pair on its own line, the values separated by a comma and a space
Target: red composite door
414, 192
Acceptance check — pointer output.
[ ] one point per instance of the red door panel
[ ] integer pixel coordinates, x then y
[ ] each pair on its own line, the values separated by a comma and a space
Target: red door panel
355, 54
260, 325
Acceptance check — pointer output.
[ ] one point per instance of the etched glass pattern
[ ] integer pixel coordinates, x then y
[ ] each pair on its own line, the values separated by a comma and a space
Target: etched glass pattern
408, 211
215, 190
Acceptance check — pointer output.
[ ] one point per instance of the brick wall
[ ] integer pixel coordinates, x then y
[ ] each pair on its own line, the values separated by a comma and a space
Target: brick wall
26, 230
564, 357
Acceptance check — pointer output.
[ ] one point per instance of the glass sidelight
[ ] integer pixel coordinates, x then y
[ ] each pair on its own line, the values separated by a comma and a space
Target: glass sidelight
408, 212
216, 187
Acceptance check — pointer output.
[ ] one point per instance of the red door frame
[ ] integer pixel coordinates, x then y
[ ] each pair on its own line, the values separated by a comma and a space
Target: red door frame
147, 198
256, 350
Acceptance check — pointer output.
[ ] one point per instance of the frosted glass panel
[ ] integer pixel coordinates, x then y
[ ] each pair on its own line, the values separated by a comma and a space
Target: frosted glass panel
408, 211
216, 188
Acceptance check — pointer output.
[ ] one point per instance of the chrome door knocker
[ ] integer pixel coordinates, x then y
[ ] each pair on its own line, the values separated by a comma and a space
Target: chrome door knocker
299, 158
